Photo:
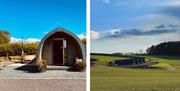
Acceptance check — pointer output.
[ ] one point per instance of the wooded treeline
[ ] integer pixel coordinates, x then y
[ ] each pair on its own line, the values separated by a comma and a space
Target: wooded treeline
4, 37
165, 48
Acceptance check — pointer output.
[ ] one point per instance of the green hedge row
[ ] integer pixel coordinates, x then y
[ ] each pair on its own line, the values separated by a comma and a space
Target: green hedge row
16, 49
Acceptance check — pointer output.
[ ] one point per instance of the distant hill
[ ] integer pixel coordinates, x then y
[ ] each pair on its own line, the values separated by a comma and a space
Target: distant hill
165, 48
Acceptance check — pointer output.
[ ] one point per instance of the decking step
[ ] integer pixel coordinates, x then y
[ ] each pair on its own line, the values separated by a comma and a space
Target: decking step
58, 67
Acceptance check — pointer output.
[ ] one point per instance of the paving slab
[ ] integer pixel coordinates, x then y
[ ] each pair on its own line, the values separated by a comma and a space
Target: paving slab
16, 64
42, 85
53, 72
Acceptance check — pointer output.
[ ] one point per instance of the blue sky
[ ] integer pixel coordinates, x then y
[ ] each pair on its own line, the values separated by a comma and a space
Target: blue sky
34, 18
133, 25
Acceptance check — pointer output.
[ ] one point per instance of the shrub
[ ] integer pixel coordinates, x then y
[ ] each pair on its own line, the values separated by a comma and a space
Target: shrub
93, 62
84, 42
110, 63
80, 66
94, 59
41, 65
30, 48
16, 49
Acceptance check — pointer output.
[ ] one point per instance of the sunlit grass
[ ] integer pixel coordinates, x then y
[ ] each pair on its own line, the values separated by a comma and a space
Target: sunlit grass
130, 79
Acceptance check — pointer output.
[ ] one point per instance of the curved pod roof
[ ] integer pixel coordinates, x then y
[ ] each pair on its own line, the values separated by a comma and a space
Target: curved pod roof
59, 29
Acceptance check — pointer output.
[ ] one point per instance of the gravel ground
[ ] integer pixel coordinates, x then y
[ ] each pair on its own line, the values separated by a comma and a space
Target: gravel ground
42, 85
53, 72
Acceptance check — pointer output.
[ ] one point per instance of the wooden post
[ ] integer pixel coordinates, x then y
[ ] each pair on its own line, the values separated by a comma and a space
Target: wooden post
22, 53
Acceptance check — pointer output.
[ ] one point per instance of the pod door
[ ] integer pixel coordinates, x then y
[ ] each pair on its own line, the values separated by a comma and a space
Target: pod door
58, 52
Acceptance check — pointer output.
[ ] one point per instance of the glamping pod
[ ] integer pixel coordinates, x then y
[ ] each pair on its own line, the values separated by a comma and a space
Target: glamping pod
60, 47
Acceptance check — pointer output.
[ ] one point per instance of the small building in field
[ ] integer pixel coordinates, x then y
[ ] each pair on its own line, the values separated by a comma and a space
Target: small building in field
60, 47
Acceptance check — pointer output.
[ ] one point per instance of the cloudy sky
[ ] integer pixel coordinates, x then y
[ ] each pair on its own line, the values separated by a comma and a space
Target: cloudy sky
133, 25
32, 19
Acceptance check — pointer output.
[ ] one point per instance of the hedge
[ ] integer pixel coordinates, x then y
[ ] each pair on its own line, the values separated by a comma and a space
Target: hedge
16, 49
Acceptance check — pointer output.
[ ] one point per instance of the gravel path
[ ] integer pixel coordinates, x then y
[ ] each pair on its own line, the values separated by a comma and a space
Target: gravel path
11, 72
42, 85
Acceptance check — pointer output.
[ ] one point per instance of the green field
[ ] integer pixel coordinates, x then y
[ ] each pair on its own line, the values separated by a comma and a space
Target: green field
105, 78
103, 60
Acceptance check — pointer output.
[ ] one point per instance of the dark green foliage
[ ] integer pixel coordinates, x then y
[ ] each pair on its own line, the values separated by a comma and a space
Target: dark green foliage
114, 55
16, 49
93, 61
111, 63
117, 53
165, 48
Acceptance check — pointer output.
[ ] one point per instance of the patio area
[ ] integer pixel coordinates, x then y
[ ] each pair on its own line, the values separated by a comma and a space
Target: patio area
23, 71
42, 85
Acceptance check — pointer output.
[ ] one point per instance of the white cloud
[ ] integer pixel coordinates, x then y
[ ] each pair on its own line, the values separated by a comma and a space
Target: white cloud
149, 27
94, 35
114, 31
81, 36
106, 1
15, 40
32, 40
155, 19
19, 40
175, 3
131, 44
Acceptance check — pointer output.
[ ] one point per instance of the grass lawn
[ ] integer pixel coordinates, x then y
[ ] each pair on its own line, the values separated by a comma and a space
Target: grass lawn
134, 79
